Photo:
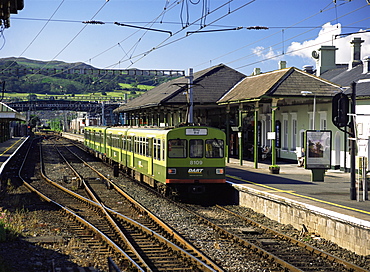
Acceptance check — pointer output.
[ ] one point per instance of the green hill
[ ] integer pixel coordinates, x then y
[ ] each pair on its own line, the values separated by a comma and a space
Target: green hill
22, 75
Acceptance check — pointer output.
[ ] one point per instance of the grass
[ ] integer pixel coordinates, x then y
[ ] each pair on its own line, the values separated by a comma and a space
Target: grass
11, 224
89, 96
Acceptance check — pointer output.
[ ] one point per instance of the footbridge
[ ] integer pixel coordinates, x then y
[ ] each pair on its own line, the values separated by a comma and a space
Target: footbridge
101, 107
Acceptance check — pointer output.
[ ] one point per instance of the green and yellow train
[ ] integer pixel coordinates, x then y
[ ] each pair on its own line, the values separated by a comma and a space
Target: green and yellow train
175, 161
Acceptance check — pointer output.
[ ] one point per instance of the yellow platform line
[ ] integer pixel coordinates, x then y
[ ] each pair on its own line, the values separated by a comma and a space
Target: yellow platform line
10, 147
295, 194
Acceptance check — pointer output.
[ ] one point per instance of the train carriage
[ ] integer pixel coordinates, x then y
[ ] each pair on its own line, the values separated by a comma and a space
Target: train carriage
177, 161
95, 139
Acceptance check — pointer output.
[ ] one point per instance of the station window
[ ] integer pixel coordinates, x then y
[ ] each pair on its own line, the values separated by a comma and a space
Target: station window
196, 148
214, 148
177, 148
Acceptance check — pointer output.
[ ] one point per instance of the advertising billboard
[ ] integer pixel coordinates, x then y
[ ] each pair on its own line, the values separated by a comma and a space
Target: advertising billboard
318, 149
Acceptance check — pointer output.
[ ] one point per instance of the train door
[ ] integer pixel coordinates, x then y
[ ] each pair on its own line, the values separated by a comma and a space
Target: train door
122, 149
150, 156
109, 144
132, 144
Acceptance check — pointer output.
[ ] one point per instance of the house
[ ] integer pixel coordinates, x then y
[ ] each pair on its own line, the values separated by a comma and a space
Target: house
357, 71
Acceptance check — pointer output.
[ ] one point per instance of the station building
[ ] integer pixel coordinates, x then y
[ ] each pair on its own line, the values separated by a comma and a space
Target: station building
9, 123
286, 102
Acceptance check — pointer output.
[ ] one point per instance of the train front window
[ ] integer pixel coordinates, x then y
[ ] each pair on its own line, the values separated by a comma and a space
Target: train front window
196, 148
214, 148
177, 148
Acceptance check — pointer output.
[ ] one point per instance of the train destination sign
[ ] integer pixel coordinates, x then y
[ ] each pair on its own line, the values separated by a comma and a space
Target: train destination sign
196, 131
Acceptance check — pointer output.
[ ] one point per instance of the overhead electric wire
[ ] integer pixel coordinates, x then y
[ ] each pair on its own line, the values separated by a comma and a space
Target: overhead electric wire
142, 55
119, 43
293, 51
163, 44
138, 57
2, 28
271, 46
293, 25
37, 35
165, 10
65, 47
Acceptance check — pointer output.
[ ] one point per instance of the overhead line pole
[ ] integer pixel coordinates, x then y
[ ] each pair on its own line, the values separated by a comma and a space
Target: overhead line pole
353, 143
191, 100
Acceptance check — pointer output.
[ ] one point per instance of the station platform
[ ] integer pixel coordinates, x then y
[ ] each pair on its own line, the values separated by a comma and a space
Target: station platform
291, 197
8, 149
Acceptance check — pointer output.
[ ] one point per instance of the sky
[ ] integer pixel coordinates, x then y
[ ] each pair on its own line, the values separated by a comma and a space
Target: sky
183, 34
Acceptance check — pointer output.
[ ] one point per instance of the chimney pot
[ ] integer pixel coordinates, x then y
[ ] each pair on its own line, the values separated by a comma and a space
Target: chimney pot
366, 65
282, 64
356, 52
256, 71
308, 69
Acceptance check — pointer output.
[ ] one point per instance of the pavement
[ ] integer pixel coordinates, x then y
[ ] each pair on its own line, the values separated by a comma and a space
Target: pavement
8, 148
295, 183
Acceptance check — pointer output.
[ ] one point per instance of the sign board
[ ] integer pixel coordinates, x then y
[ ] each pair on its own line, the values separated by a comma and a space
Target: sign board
318, 149
271, 135
196, 131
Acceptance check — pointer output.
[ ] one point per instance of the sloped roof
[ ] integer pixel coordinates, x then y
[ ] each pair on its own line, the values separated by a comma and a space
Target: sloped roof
362, 88
344, 77
280, 83
9, 114
209, 85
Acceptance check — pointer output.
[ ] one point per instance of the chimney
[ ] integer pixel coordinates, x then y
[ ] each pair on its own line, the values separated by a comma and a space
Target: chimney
282, 64
356, 53
308, 69
256, 71
325, 59
366, 65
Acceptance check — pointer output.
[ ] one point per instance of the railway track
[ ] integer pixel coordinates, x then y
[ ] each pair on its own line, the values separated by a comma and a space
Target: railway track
281, 251
286, 251
144, 245
85, 217
221, 248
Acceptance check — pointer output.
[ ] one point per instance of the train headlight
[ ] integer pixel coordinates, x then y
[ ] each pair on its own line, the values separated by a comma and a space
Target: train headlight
219, 171
171, 170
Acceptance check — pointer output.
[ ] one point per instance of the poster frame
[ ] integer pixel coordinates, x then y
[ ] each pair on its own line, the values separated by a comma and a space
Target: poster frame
320, 159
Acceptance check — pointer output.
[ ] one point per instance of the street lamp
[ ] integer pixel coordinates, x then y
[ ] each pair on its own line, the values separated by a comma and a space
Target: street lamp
305, 93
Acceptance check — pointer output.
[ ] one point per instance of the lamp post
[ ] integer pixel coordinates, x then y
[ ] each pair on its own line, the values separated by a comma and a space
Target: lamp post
305, 93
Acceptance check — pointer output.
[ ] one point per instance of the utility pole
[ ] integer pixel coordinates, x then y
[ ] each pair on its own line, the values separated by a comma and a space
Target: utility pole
353, 143
191, 101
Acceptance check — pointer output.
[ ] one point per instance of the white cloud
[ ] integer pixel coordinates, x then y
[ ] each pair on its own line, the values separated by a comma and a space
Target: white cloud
265, 53
328, 35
